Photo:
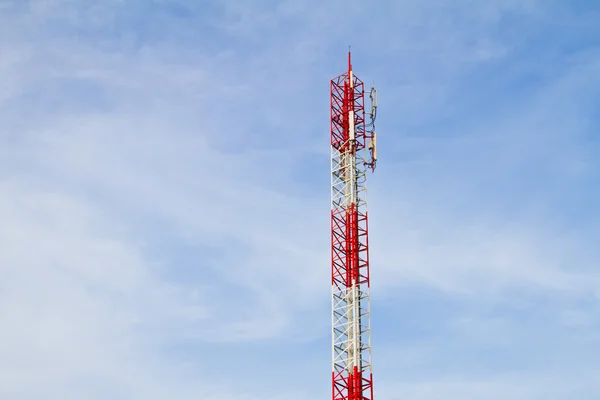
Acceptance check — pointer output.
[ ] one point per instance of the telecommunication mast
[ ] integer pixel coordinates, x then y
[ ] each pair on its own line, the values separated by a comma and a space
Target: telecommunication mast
353, 152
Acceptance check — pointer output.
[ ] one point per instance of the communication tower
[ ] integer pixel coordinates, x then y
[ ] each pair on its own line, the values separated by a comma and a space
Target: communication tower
353, 152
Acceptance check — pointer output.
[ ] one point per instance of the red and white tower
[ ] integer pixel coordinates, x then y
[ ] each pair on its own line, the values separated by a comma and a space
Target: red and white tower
353, 151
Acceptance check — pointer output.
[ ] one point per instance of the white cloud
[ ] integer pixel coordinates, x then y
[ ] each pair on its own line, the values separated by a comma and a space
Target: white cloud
513, 386
151, 190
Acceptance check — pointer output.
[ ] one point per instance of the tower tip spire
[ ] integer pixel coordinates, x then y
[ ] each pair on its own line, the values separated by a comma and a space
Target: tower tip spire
349, 58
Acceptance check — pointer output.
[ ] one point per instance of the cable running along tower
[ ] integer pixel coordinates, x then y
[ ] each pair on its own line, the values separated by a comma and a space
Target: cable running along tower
353, 151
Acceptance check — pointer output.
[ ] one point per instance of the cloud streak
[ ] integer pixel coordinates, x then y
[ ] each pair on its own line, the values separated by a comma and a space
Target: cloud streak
164, 198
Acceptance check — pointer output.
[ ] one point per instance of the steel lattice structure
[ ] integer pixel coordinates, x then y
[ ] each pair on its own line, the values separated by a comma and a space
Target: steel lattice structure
353, 151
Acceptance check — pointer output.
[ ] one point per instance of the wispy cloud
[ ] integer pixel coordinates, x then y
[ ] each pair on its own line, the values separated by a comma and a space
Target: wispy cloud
164, 196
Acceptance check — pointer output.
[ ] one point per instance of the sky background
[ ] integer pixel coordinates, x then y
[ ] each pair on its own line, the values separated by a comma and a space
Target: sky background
164, 197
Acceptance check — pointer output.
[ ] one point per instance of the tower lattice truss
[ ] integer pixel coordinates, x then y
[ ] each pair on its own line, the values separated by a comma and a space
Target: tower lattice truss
353, 152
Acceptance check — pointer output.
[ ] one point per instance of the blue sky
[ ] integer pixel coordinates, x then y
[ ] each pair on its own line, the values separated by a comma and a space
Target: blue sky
164, 197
